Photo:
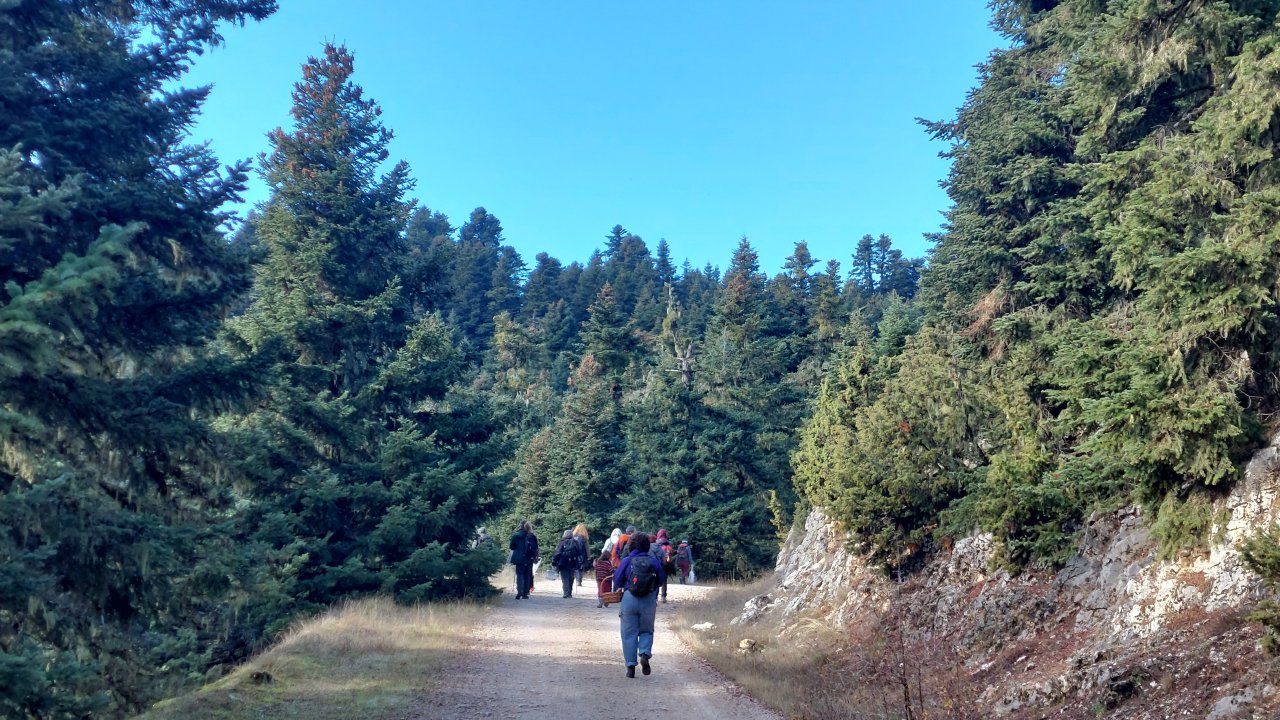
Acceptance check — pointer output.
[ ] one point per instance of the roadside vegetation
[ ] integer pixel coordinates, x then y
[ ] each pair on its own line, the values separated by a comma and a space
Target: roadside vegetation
873, 671
369, 659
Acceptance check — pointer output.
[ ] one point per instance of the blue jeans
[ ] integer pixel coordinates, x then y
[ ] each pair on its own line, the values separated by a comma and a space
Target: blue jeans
637, 625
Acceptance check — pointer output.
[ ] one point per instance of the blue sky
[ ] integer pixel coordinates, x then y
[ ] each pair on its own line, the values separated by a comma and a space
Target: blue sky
698, 122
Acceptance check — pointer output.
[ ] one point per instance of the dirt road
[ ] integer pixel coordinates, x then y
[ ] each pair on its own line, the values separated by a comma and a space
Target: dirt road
551, 658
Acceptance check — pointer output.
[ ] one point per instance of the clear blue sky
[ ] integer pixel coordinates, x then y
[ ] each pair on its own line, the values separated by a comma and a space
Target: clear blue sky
698, 122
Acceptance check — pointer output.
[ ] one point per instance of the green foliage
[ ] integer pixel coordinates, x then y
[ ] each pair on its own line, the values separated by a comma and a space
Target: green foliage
113, 275
1107, 284
1262, 553
1182, 522
367, 467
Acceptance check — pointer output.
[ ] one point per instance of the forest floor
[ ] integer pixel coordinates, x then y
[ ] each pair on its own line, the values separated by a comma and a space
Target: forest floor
540, 659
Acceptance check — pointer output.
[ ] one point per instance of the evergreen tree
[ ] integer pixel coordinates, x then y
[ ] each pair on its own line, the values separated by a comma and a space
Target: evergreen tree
608, 338
748, 417
829, 313
697, 292
664, 270
430, 261
367, 470
543, 287
113, 274
574, 472
486, 277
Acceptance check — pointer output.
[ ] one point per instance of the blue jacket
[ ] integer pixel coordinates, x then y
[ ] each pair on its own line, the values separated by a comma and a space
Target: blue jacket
620, 575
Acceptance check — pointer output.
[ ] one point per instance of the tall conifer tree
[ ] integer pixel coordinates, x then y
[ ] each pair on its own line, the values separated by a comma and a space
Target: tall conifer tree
113, 274
367, 471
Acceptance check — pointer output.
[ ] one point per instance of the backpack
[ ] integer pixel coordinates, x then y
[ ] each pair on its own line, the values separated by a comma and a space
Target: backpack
642, 575
668, 558
661, 553
566, 554
531, 548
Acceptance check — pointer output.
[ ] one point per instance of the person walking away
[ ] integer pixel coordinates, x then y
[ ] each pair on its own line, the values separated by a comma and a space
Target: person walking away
684, 560
639, 576
524, 551
604, 577
622, 547
662, 554
482, 538
567, 560
611, 542
584, 547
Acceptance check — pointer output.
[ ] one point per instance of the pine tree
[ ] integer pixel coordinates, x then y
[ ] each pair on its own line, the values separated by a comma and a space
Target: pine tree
367, 469
113, 275
608, 338
573, 472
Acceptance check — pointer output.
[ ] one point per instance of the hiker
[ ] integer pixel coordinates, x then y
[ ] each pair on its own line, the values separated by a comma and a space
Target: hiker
684, 560
661, 552
613, 540
568, 558
621, 548
604, 577
640, 577
584, 547
524, 553
482, 538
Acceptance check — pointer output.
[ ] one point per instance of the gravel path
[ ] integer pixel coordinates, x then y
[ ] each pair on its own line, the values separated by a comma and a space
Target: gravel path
551, 658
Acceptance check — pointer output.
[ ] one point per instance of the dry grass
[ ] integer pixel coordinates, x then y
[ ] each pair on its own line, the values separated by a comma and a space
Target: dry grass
369, 659
783, 672
812, 670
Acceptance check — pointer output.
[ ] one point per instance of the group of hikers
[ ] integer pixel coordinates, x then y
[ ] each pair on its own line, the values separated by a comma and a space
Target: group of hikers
636, 563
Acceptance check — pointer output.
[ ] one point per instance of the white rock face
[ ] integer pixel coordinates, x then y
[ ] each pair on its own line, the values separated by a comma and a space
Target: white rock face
1115, 591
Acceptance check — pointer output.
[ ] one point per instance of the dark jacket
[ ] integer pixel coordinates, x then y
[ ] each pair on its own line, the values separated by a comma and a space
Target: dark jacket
524, 548
586, 562
570, 554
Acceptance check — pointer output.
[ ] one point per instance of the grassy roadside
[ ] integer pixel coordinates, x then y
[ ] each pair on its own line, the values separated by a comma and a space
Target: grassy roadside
370, 659
870, 671
788, 673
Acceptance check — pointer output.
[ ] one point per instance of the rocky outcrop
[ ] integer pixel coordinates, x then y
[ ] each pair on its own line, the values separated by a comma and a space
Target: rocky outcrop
1097, 631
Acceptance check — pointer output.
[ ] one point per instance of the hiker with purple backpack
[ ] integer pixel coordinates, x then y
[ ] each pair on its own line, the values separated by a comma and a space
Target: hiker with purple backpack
639, 576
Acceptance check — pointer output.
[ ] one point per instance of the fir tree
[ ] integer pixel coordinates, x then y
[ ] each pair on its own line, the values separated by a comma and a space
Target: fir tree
113, 274
368, 471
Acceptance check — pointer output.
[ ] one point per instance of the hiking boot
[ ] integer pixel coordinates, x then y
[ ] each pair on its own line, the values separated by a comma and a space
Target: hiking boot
599, 603
644, 664
664, 598
631, 671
